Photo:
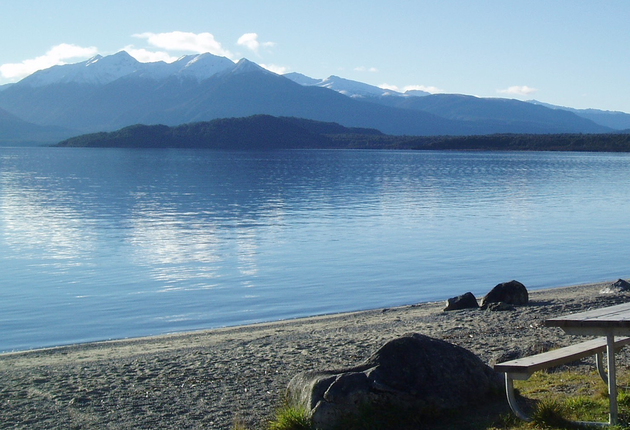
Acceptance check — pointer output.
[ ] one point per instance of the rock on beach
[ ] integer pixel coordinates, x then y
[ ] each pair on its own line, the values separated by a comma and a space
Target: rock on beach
216, 378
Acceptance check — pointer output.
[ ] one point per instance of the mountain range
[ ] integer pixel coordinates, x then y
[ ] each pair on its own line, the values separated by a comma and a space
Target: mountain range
111, 92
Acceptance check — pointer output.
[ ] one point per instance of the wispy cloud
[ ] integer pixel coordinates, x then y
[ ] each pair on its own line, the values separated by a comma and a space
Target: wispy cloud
428, 89
389, 87
250, 41
366, 69
280, 70
58, 54
182, 41
517, 90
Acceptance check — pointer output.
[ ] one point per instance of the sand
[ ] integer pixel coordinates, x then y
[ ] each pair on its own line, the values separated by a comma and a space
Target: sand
212, 379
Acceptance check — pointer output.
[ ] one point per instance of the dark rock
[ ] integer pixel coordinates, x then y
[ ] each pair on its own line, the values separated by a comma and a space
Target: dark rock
533, 348
499, 306
465, 301
619, 286
513, 293
414, 372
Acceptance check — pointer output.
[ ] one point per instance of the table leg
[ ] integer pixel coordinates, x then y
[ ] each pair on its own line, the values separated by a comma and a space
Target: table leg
612, 378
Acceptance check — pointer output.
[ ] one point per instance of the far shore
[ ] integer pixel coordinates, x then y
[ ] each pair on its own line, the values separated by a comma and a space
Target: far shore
214, 378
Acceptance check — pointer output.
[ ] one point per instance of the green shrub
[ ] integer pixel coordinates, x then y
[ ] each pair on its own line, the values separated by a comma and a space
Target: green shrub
548, 413
291, 418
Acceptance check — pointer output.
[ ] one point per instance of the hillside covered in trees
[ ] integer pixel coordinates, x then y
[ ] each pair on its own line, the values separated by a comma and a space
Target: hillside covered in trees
264, 132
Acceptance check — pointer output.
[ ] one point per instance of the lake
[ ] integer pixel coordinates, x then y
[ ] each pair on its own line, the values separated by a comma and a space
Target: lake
102, 244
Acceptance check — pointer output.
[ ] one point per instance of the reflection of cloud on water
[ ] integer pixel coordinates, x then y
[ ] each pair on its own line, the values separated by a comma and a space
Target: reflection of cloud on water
41, 222
193, 250
247, 248
177, 246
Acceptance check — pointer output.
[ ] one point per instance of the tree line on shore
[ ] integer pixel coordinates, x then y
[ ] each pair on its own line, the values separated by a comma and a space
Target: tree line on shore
268, 132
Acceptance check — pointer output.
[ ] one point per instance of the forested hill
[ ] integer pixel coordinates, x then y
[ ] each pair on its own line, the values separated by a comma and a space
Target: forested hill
269, 132
254, 132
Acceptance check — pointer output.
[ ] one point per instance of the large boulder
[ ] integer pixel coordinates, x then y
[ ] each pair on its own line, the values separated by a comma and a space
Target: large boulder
619, 286
465, 301
513, 293
414, 373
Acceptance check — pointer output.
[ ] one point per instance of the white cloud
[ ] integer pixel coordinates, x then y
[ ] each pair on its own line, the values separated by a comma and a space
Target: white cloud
389, 87
250, 41
182, 41
432, 90
280, 70
56, 55
366, 69
429, 89
518, 90
146, 56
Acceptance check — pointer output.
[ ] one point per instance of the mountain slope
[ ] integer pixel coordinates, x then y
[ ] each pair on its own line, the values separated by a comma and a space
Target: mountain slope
504, 115
245, 89
107, 93
13, 129
613, 119
252, 91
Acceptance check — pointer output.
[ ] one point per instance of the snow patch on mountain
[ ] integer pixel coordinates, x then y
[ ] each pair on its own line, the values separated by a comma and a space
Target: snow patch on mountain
204, 66
101, 70
246, 66
350, 88
354, 88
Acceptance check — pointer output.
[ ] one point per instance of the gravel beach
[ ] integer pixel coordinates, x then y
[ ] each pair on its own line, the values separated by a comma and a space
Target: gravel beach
212, 379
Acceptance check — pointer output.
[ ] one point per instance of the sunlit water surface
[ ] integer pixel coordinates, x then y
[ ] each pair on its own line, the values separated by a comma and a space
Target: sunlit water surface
108, 243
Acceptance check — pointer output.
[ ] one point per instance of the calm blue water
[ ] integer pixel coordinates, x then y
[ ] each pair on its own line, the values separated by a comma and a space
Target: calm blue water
108, 243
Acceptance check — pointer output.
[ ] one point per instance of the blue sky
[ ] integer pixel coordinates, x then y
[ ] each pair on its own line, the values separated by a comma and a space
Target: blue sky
571, 53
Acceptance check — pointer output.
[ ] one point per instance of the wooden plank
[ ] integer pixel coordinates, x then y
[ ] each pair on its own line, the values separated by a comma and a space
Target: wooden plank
557, 357
613, 316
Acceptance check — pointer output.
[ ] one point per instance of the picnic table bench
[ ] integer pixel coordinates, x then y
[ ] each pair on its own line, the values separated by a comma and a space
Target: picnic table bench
523, 368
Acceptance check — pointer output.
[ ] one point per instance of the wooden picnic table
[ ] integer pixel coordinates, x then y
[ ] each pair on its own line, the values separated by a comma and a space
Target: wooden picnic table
608, 322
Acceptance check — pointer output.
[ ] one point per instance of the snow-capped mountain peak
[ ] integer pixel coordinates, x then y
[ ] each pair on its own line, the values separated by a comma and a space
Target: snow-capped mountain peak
97, 70
203, 66
100, 70
244, 65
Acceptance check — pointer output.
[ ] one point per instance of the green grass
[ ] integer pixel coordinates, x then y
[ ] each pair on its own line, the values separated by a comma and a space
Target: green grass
553, 399
291, 418
558, 399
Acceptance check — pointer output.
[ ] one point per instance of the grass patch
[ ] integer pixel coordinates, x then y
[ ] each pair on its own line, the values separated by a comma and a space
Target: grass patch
554, 400
550, 413
291, 418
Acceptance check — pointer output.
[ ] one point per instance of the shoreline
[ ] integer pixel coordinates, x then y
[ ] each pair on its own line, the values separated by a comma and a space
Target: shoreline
305, 319
214, 378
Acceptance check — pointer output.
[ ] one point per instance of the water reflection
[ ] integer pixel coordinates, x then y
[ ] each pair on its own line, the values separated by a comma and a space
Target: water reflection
39, 222
140, 242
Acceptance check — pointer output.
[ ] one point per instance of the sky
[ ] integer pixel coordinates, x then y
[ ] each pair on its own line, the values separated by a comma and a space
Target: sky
569, 53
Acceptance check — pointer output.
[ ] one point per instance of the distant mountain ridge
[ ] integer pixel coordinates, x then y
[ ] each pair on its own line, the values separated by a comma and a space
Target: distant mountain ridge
613, 119
349, 87
108, 93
